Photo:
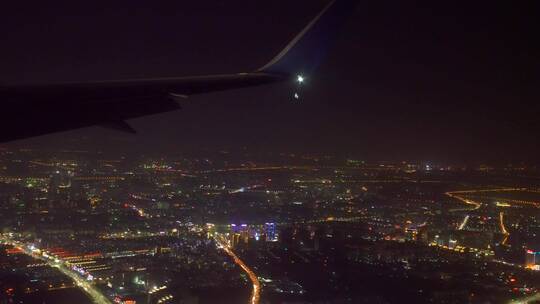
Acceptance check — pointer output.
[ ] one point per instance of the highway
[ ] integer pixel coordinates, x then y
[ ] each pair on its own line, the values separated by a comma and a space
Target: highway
256, 293
455, 194
95, 295
460, 195
503, 228
501, 222
464, 223
475, 205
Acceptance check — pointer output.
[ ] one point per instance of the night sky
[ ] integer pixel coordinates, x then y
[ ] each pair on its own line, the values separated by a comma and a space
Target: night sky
431, 80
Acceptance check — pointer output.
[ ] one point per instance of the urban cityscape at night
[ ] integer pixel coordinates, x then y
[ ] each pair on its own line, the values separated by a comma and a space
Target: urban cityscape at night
269, 152
273, 229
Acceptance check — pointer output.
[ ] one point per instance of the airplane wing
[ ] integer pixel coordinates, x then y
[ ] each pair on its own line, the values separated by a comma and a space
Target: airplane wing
32, 110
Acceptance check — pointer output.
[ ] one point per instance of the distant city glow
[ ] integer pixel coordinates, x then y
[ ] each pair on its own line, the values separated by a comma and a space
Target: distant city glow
210, 220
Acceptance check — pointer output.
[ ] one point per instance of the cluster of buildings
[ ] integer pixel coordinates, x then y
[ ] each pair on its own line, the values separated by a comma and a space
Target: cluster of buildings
139, 229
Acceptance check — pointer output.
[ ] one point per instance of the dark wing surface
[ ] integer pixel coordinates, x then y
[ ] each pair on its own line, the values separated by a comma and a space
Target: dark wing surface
37, 109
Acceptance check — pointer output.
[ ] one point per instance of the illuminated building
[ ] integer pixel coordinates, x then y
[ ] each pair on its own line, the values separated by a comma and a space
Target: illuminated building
235, 239
270, 230
235, 228
121, 300
411, 234
244, 236
211, 230
532, 259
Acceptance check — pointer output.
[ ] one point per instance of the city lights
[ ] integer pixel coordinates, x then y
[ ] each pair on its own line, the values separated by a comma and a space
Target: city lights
219, 221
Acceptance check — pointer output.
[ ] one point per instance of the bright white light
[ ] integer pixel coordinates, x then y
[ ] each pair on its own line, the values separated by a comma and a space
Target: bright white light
300, 78
296, 96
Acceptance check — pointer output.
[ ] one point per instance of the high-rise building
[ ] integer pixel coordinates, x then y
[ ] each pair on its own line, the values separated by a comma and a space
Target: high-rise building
532, 259
234, 239
270, 231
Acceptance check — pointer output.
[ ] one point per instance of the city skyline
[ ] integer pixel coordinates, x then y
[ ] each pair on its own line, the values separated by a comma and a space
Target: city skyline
267, 152
129, 229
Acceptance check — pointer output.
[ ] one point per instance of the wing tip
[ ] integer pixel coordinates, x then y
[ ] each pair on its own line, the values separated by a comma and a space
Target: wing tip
303, 53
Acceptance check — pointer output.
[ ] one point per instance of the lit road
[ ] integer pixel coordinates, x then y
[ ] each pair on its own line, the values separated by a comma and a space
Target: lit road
464, 223
95, 295
460, 196
475, 205
503, 229
456, 195
255, 295
501, 220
